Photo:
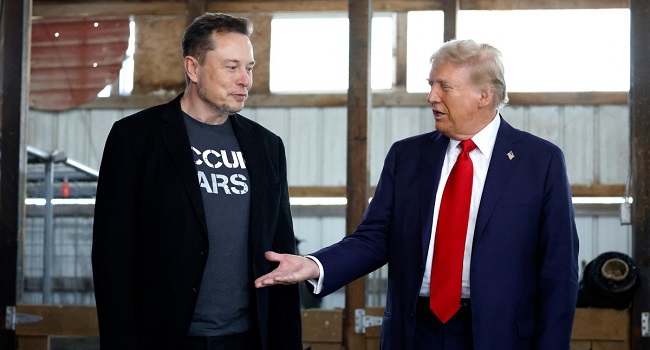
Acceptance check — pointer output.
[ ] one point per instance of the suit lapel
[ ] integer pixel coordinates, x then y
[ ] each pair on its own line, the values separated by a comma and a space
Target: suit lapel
174, 134
432, 159
499, 173
253, 150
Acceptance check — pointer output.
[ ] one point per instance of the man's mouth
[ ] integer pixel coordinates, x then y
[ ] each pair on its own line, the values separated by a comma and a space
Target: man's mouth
240, 97
438, 114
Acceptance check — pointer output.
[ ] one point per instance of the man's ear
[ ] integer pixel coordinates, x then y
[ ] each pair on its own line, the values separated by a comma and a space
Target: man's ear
191, 67
486, 97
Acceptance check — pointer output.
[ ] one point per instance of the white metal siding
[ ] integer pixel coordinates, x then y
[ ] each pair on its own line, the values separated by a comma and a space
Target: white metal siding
595, 139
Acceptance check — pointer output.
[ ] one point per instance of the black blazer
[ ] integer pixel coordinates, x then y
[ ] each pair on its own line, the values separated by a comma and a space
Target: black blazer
150, 239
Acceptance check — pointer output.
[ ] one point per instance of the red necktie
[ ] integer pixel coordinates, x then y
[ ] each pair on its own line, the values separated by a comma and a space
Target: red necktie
449, 246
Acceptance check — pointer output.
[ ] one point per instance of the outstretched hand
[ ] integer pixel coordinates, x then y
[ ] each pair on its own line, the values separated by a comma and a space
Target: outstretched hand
292, 269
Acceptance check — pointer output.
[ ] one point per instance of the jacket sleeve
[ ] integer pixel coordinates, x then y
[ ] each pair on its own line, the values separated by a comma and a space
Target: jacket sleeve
558, 276
366, 249
114, 244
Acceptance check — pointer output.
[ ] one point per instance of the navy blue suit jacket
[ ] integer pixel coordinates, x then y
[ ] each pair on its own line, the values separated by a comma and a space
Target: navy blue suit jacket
524, 264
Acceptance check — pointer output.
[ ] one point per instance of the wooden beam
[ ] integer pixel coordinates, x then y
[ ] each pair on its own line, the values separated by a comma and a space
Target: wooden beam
77, 8
261, 40
568, 98
359, 108
302, 100
317, 191
319, 6
195, 8
400, 51
71, 321
106, 8
14, 47
321, 191
601, 328
380, 99
640, 129
541, 4
450, 10
598, 190
593, 190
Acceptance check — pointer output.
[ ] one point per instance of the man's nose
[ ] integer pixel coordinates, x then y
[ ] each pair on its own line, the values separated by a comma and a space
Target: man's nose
433, 96
245, 78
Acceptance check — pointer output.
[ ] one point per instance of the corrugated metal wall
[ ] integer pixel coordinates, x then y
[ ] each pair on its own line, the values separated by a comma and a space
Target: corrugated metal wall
315, 138
595, 140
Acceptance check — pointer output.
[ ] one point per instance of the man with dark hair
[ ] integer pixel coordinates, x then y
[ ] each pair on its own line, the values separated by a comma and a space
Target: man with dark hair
190, 196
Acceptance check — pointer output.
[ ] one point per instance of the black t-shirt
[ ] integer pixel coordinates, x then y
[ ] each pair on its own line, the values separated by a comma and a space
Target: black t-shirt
224, 297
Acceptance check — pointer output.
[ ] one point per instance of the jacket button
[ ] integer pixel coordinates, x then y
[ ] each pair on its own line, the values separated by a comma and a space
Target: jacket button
204, 252
195, 289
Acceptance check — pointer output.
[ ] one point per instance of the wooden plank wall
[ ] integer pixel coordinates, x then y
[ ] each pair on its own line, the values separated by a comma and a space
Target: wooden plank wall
604, 329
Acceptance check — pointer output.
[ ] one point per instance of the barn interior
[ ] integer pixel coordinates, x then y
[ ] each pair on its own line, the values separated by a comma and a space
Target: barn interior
71, 68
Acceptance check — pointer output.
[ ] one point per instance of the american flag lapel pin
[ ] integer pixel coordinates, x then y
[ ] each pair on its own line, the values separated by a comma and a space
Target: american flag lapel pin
510, 155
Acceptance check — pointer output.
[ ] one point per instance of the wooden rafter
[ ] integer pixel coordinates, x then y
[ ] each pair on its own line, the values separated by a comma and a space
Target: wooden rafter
541, 4
400, 98
76, 8
594, 190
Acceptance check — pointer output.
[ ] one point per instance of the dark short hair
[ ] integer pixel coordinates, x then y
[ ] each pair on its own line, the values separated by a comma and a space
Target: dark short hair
197, 40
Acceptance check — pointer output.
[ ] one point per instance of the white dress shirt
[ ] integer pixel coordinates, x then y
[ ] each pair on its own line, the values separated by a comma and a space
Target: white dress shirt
480, 156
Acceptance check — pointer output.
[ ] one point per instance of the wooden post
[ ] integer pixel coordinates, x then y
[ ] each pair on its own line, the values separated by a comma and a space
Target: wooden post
261, 40
640, 129
400, 50
195, 8
15, 38
450, 11
359, 107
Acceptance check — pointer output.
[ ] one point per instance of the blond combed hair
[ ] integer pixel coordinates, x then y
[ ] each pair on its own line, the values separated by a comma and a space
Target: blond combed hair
486, 62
